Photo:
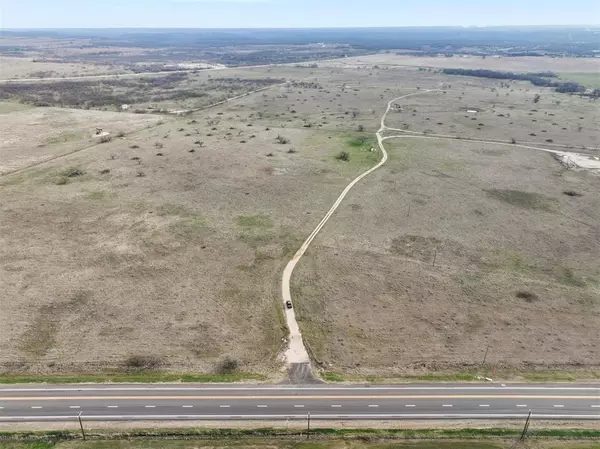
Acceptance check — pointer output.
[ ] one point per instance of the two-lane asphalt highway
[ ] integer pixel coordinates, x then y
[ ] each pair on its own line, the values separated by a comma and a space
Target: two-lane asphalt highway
245, 402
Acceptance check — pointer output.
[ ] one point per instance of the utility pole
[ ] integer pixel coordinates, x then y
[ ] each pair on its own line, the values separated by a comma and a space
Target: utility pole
81, 425
308, 426
526, 427
486, 353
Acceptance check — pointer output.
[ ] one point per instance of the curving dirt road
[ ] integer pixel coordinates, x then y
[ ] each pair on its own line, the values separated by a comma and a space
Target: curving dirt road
296, 351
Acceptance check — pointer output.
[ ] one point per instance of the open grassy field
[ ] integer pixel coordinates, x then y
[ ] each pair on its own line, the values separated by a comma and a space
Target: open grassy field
31, 135
515, 264
163, 249
513, 64
12, 67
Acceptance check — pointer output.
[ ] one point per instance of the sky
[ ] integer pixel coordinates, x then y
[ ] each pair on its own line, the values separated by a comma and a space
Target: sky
292, 13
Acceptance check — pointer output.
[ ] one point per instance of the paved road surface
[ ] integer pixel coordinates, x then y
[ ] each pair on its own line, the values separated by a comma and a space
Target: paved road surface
227, 402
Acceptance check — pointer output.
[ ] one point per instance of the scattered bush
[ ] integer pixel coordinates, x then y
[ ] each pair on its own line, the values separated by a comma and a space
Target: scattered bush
513, 140
72, 172
291, 151
105, 139
227, 366
343, 156
571, 193
135, 158
282, 140
140, 174
134, 147
549, 140
158, 144
192, 150
61, 181
120, 134
159, 154
105, 171
526, 295
141, 363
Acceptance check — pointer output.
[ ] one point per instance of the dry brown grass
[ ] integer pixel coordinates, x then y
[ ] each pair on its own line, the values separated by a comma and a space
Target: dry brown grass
183, 264
371, 302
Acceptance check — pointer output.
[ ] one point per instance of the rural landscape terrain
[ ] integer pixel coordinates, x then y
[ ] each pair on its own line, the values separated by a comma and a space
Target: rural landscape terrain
151, 199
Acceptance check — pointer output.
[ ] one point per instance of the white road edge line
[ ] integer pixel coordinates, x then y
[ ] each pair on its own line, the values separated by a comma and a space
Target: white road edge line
74, 406
521, 405
187, 406
558, 405
112, 406
224, 406
410, 405
324, 416
447, 405
336, 405
484, 405
36, 406
299, 406
150, 406
373, 406
262, 406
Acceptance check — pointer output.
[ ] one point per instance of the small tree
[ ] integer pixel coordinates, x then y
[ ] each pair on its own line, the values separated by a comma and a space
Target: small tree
360, 128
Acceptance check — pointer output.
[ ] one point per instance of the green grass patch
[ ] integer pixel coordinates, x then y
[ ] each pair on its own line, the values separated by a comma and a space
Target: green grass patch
525, 200
143, 377
254, 221
332, 377
566, 276
187, 438
589, 80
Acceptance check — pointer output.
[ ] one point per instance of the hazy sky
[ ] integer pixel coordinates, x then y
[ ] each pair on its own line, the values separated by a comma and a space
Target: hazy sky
292, 13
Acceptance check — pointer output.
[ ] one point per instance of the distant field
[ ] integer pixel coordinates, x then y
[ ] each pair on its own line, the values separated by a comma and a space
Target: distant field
27, 68
517, 64
590, 80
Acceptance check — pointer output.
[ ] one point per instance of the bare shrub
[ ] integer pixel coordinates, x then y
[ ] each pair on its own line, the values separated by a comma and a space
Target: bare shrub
141, 363
343, 156
105, 139
134, 147
120, 134
527, 295
227, 365
105, 171
282, 140
158, 144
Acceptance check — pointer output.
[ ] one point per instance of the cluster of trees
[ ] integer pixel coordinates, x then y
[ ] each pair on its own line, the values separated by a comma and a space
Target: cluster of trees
542, 79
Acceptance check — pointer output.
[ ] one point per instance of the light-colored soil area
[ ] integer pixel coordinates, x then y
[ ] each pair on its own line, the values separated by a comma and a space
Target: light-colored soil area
11, 67
515, 264
509, 64
30, 135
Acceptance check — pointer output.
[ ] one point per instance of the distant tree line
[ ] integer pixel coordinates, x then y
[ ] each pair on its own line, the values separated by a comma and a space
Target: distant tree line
535, 78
